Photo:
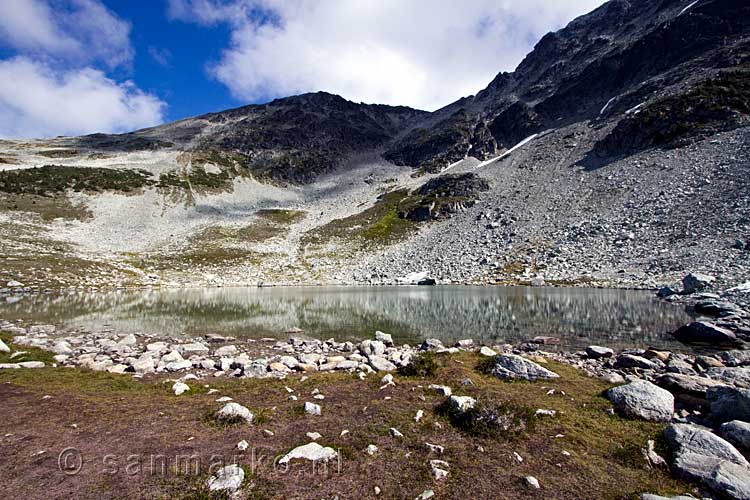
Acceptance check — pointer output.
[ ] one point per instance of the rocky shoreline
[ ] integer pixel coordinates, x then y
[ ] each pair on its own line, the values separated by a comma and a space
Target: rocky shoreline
703, 396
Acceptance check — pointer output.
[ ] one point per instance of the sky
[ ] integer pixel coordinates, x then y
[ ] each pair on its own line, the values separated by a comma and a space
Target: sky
72, 67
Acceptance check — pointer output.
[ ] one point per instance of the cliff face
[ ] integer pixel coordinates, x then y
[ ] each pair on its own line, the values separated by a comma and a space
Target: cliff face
599, 66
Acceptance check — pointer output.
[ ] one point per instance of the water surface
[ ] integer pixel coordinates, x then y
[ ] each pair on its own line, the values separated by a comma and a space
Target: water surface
616, 318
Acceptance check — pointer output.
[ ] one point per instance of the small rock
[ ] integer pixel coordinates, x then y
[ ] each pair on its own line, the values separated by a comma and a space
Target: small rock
486, 351
229, 478
232, 411
312, 452
532, 482
312, 409
180, 388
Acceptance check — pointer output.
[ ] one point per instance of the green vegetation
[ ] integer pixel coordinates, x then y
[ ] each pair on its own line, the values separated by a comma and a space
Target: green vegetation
422, 365
51, 179
601, 460
196, 179
59, 153
491, 419
30, 353
47, 207
711, 106
281, 216
377, 224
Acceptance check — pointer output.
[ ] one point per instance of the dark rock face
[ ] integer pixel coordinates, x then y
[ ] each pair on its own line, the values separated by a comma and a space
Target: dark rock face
443, 196
701, 332
657, 73
620, 56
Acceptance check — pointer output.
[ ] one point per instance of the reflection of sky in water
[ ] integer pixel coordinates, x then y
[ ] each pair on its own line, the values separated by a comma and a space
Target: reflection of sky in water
616, 318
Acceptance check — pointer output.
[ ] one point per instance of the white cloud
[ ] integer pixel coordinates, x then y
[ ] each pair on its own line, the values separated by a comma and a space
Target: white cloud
37, 101
78, 31
422, 53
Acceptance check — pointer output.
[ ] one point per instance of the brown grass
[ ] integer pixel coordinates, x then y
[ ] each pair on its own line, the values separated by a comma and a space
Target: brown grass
121, 416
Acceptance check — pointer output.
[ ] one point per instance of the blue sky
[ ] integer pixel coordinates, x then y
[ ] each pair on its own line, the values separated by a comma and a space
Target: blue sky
70, 67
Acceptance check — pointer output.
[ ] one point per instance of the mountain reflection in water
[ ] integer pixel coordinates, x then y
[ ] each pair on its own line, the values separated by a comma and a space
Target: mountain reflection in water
580, 317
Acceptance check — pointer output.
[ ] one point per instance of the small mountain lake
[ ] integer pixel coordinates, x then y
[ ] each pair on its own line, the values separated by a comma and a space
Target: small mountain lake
578, 316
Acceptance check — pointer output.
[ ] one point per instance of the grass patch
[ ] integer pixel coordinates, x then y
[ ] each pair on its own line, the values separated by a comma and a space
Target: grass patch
485, 365
51, 179
377, 224
59, 153
281, 216
422, 365
491, 419
30, 353
47, 207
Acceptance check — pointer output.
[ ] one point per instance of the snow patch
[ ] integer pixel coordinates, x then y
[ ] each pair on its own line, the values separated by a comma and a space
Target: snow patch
511, 150
688, 8
607, 105
635, 109
452, 165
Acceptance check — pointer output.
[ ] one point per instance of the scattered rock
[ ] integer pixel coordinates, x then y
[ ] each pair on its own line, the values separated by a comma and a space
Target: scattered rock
312, 409
511, 366
3, 347
462, 403
385, 338
702, 456
312, 452
486, 351
180, 388
532, 482
737, 433
229, 479
696, 282
431, 345
596, 352
642, 399
703, 332
633, 361
232, 412
729, 403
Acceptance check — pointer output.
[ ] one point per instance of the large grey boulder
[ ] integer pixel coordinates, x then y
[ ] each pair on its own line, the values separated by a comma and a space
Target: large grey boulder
385, 338
3, 347
717, 308
737, 376
372, 347
381, 364
642, 399
736, 358
729, 403
511, 366
702, 456
696, 282
633, 361
596, 352
737, 433
688, 389
703, 332
228, 479
462, 403
431, 345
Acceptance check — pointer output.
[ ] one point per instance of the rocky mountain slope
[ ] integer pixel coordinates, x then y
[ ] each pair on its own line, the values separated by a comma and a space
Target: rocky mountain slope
615, 154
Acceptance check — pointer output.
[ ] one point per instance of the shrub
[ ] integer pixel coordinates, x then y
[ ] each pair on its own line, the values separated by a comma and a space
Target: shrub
490, 418
422, 365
